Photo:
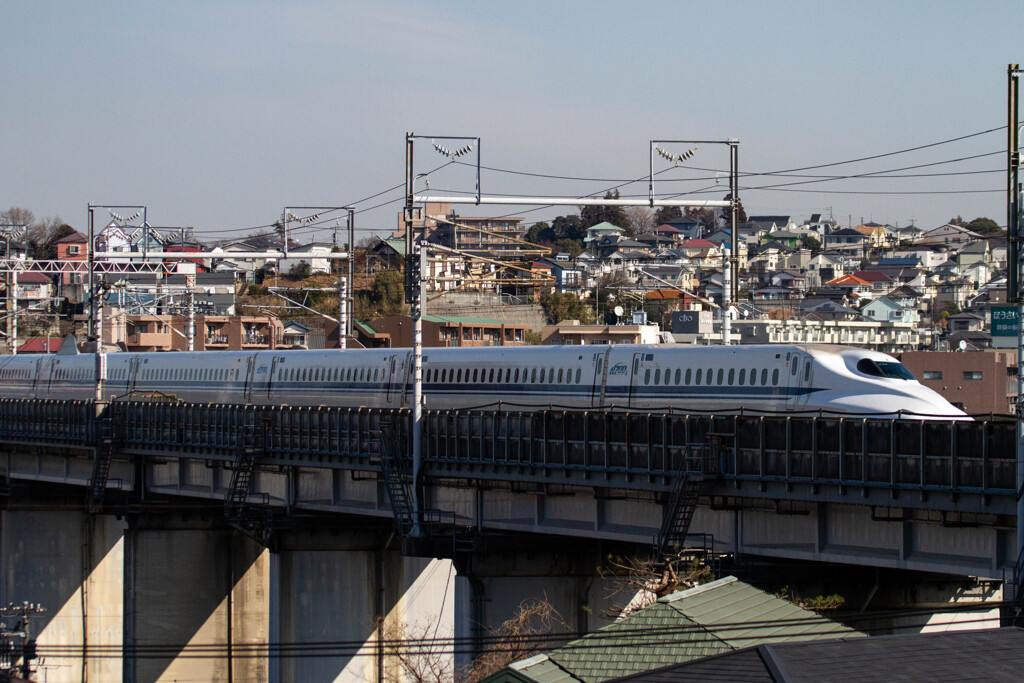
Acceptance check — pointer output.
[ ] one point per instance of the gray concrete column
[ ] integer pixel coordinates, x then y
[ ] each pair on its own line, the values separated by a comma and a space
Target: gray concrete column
70, 563
196, 604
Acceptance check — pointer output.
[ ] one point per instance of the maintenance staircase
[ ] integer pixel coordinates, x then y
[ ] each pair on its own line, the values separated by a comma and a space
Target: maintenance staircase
254, 520
431, 531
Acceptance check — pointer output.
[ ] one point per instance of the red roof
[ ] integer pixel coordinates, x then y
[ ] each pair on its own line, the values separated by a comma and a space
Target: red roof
73, 237
872, 276
41, 345
702, 244
33, 278
665, 227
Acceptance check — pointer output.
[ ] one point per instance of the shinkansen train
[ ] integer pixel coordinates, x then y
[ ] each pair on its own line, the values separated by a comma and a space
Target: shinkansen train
767, 379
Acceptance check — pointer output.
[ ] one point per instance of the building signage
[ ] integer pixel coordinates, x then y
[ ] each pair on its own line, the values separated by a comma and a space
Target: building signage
1004, 321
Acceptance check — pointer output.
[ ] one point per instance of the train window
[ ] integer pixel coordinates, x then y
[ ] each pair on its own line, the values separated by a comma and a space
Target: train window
515, 376
686, 379
753, 376
560, 371
533, 375
678, 375
636, 365
647, 376
764, 376
710, 375
743, 376
807, 371
700, 373
732, 375
458, 376
657, 376
721, 376
793, 365
775, 377
578, 373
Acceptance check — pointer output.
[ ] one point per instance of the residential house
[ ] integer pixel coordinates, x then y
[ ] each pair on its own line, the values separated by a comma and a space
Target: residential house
567, 277
787, 238
876, 233
887, 309
715, 618
212, 332
689, 228
397, 331
852, 286
71, 252
881, 283
847, 241
596, 233
33, 290
572, 333
966, 322
295, 335
769, 223
310, 255
950, 655
948, 234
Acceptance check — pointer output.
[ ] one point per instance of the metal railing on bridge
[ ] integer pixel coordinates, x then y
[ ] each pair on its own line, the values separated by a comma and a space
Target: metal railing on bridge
611, 449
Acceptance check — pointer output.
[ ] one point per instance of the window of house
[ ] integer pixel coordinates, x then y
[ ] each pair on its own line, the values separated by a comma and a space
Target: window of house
932, 374
972, 374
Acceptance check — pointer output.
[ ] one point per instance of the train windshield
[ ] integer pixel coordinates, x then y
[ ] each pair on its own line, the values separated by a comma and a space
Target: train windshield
889, 369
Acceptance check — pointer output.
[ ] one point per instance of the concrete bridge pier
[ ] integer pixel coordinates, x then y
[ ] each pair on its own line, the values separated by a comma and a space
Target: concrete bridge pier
71, 563
344, 597
196, 602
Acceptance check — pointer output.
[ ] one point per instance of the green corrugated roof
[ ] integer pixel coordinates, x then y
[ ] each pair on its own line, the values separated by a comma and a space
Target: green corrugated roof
464, 321
718, 617
396, 243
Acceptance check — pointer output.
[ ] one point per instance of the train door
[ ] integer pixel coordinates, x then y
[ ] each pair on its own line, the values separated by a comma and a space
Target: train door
638, 367
798, 373
36, 377
272, 376
600, 379
250, 377
133, 373
394, 375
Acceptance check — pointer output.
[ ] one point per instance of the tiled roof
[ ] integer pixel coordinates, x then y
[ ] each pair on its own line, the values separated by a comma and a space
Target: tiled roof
977, 655
720, 616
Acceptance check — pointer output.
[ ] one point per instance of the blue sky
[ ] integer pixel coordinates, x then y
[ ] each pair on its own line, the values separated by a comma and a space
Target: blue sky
218, 114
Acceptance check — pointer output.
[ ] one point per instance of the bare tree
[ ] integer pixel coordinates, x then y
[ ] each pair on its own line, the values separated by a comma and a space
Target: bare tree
644, 579
641, 218
533, 629
421, 654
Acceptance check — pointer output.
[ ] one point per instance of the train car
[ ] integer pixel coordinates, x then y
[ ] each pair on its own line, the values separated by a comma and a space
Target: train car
764, 379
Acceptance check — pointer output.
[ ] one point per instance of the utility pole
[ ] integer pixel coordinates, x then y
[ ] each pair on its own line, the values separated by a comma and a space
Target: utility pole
1013, 286
349, 307
190, 331
342, 310
13, 292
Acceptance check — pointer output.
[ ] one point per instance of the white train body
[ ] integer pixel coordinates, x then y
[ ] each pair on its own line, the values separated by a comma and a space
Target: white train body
718, 379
